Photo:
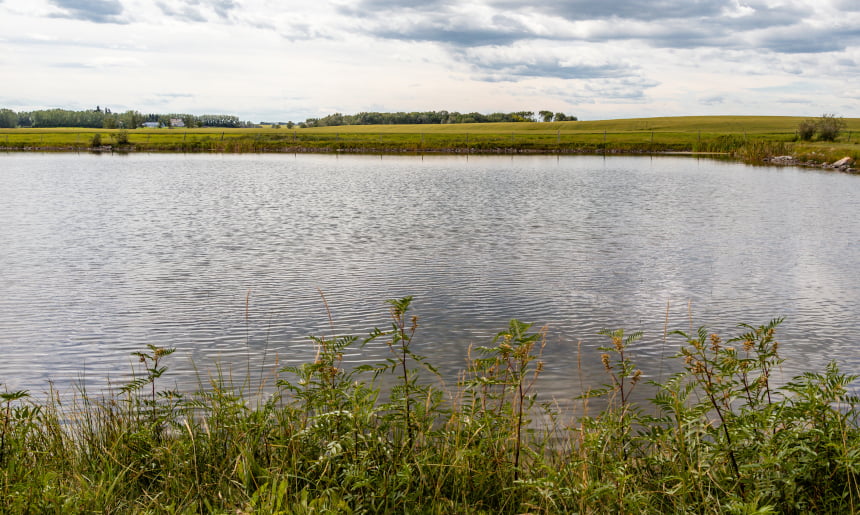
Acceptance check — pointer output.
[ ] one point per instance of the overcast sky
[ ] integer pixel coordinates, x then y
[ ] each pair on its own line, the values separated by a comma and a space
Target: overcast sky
270, 60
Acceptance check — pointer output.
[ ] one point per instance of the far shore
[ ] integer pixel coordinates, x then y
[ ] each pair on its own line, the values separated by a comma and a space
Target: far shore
752, 139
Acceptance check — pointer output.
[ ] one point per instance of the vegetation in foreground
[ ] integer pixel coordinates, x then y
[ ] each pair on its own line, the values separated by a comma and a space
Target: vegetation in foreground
750, 138
718, 437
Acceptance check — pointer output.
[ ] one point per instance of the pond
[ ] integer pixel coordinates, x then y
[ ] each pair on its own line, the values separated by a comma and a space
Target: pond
227, 258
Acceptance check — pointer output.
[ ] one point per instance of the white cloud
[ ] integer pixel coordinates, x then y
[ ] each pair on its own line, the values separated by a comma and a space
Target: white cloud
275, 60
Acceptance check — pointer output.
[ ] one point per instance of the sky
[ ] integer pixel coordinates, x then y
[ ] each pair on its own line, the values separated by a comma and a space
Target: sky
270, 60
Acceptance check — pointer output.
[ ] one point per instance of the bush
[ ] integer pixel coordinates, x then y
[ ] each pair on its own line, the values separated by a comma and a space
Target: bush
806, 130
122, 137
96, 141
829, 127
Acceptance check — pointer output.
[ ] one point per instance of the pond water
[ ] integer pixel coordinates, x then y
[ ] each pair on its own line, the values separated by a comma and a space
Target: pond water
224, 257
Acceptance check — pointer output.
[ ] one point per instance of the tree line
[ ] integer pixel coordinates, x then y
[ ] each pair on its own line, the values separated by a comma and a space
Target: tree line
106, 119
430, 117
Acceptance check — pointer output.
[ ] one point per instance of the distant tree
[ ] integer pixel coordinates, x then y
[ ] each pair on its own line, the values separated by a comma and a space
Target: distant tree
8, 119
110, 121
131, 119
290, 124
561, 117
189, 120
528, 116
219, 120
546, 115
829, 126
96, 141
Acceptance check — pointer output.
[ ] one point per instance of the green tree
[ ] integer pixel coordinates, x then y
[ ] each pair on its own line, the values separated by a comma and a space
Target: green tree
829, 126
546, 115
131, 119
25, 119
806, 130
528, 116
8, 119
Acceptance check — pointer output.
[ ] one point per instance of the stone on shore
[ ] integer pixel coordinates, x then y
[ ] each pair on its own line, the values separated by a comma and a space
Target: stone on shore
843, 164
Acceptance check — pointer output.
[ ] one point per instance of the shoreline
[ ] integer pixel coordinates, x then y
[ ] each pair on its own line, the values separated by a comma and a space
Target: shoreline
845, 164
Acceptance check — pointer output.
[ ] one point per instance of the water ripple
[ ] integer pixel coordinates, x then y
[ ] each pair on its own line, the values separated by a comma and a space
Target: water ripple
224, 258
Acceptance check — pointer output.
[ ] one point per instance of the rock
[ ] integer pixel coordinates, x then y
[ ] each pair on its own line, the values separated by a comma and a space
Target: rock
783, 160
845, 162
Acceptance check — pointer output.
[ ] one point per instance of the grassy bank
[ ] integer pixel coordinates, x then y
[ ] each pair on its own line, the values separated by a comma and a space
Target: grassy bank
750, 138
719, 437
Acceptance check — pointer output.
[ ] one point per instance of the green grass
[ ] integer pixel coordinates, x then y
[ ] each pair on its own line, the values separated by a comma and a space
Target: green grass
718, 437
746, 137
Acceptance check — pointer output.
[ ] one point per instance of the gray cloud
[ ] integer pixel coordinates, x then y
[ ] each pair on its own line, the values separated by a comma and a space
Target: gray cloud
647, 10
808, 40
72, 65
96, 11
374, 8
515, 69
175, 95
458, 31
299, 31
182, 12
624, 90
713, 100
195, 10
161, 99
223, 7
847, 5
793, 101
473, 33
658, 23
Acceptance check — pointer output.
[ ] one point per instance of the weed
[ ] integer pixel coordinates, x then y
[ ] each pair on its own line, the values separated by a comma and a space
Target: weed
720, 436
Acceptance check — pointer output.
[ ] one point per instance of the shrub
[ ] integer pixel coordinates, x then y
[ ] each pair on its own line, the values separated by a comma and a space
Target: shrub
122, 137
806, 130
829, 127
96, 141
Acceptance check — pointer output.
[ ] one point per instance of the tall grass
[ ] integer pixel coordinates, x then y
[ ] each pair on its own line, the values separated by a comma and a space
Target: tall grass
717, 437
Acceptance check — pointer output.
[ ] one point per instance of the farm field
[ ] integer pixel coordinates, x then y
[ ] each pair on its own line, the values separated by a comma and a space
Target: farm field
746, 137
